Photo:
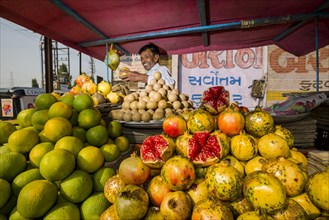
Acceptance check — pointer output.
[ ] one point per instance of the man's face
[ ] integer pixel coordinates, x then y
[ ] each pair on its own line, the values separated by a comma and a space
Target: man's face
148, 59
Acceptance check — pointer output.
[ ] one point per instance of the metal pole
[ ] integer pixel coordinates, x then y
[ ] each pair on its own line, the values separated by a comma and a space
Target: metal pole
48, 65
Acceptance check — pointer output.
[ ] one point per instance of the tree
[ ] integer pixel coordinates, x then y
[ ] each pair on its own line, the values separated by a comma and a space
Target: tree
63, 72
35, 83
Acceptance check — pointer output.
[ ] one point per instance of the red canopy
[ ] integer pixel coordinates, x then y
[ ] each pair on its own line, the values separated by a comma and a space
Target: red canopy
177, 26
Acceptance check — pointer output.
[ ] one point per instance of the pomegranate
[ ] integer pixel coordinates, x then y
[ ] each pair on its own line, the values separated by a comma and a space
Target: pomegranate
224, 182
182, 144
230, 121
178, 173
317, 189
243, 147
205, 149
200, 120
81, 79
290, 175
300, 157
153, 213
174, 125
215, 99
311, 210
211, 208
112, 187
176, 205
132, 202
258, 122
265, 192
253, 215
157, 149
255, 164
285, 134
132, 170
292, 211
272, 146
198, 191
240, 206
157, 189
89, 87
232, 161
109, 214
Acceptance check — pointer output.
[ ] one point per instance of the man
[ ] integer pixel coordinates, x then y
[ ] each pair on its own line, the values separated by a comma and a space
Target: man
150, 56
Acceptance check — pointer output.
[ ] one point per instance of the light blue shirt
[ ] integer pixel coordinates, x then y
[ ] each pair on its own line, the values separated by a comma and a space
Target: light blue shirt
165, 73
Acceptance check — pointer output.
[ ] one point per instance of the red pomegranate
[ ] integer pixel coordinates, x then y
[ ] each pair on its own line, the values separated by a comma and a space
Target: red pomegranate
230, 121
215, 99
132, 170
178, 173
156, 150
200, 120
157, 189
174, 125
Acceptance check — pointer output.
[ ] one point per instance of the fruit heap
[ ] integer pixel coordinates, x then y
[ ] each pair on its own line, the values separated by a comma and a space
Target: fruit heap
54, 163
102, 92
156, 101
235, 164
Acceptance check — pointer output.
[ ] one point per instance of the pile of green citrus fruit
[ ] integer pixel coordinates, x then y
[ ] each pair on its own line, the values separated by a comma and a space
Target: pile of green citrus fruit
54, 163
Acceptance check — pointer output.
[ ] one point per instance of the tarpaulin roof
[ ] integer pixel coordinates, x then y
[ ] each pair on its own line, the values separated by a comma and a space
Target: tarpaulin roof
176, 26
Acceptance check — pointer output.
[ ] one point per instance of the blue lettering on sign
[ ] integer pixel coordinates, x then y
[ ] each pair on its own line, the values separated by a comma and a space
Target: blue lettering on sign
214, 80
237, 98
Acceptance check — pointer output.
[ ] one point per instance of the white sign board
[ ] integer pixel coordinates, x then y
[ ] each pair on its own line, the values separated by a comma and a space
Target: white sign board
233, 69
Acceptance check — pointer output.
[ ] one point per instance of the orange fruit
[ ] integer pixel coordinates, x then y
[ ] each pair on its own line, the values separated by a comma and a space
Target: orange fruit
38, 151
23, 140
60, 109
111, 152
122, 142
70, 143
44, 101
97, 136
114, 128
80, 133
56, 128
90, 159
67, 98
101, 176
6, 129
89, 118
24, 117
82, 101
39, 119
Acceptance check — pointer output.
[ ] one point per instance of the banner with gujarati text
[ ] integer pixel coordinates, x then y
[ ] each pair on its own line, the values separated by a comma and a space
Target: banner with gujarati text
233, 69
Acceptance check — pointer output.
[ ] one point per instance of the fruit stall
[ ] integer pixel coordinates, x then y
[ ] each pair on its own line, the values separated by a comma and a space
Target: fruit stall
104, 151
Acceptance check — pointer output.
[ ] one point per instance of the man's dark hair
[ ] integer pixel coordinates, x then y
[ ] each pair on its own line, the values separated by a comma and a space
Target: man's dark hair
154, 48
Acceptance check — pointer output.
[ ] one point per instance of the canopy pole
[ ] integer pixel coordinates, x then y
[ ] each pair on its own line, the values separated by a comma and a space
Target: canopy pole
49, 65
107, 63
317, 52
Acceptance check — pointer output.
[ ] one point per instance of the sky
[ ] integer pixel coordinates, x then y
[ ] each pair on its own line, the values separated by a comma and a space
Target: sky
20, 57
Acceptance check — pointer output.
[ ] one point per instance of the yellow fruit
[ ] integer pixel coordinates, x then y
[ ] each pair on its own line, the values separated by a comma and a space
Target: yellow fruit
82, 101
122, 142
75, 90
70, 143
97, 136
93, 207
56, 128
111, 152
112, 59
11, 164
24, 178
44, 101
6, 129
24, 117
56, 95
5, 191
101, 176
109, 213
113, 97
76, 187
89, 118
104, 88
22, 141
114, 128
63, 211
38, 151
112, 187
39, 119
36, 198
60, 109
90, 159
57, 164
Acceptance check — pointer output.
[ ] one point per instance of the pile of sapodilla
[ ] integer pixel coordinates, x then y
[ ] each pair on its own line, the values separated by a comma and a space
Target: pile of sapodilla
155, 102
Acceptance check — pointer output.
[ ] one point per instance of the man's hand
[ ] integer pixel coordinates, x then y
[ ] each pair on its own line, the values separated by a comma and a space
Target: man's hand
133, 76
